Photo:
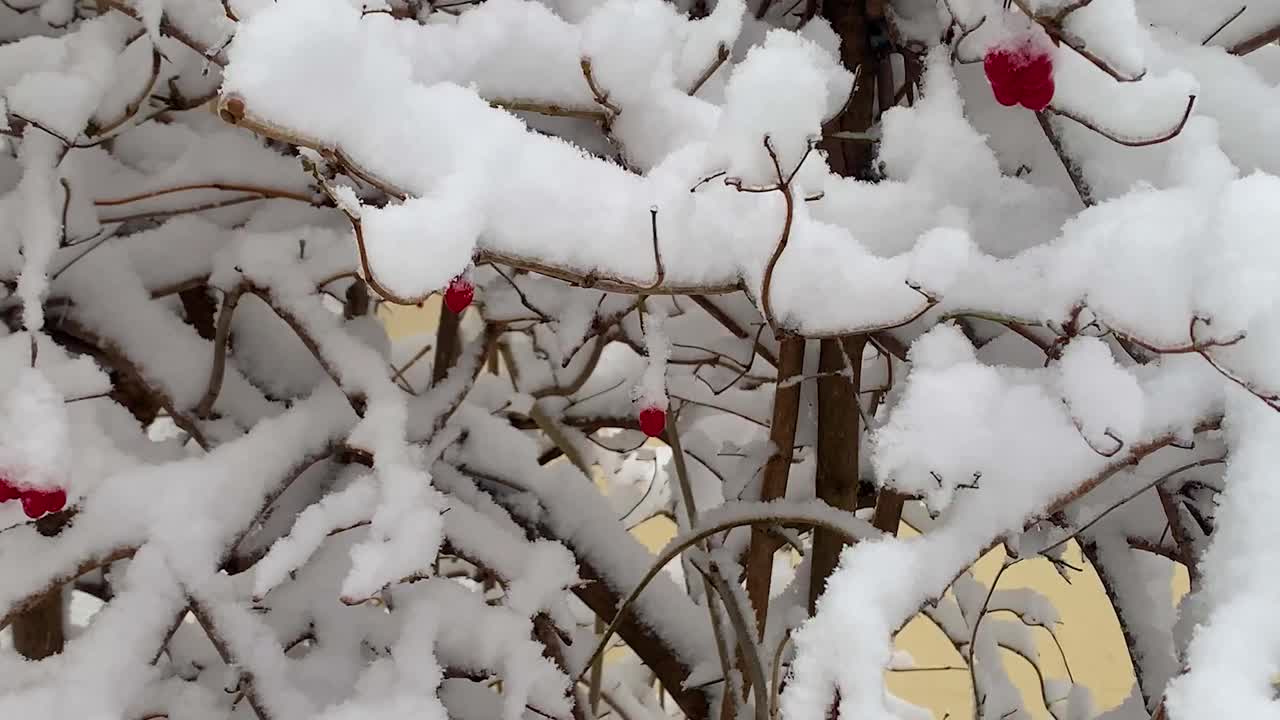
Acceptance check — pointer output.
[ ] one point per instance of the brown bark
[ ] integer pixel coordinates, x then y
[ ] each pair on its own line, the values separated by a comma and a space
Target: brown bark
132, 393
357, 300
849, 19
1256, 42
1123, 616
200, 309
839, 443
1181, 538
786, 410
839, 429
544, 631
39, 632
888, 512
651, 650
448, 344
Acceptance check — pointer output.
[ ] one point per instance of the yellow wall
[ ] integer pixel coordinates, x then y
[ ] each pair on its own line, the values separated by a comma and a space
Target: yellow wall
1090, 635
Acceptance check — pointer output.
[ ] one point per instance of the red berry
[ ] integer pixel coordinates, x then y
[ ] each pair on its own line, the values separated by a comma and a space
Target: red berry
38, 502
55, 500
1036, 68
1038, 98
8, 491
1021, 74
459, 294
32, 505
999, 66
653, 421
1006, 95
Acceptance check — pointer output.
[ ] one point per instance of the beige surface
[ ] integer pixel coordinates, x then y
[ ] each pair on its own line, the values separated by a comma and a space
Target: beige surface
1090, 635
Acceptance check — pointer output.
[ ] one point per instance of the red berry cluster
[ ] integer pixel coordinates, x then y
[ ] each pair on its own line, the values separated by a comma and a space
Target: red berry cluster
653, 420
1020, 74
35, 502
459, 294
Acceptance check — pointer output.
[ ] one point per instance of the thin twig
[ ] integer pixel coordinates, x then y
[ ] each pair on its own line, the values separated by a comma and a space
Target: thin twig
748, 646
784, 186
524, 299
400, 371
215, 55
1074, 172
973, 635
599, 95
1127, 141
722, 54
681, 544
131, 109
1145, 487
1224, 24
691, 518
1270, 398
1052, 24
550, 109
264, 192
222, 335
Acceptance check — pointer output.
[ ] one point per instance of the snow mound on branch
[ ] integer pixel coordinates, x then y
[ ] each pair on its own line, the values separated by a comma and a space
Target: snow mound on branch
34, 433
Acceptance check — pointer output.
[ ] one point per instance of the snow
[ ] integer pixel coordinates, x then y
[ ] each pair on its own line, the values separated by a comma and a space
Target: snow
80, 65
880, 584
1140, 583
38, 224
1112, 29
1232, 598
1104, 399
581, 519
777, 91
33, 431
339, 510
652, 390
110, 299
1074, 310
496, 637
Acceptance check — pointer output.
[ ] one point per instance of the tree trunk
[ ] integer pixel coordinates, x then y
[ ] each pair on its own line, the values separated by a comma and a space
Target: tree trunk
39, 633
839, 428
839, 441
786, 410
850, 19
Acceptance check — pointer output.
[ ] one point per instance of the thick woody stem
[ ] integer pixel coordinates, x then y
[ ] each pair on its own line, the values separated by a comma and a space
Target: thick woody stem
1124, 614
786, 410
40, 630
1256, 42
839, 427
839, 438
447, 344
643, 642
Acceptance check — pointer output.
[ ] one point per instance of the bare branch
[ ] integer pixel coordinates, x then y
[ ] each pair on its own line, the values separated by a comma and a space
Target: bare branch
1164, 136
1223, 26
1114, 506
1256, 42
722, 54
222, 336
1053, 25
